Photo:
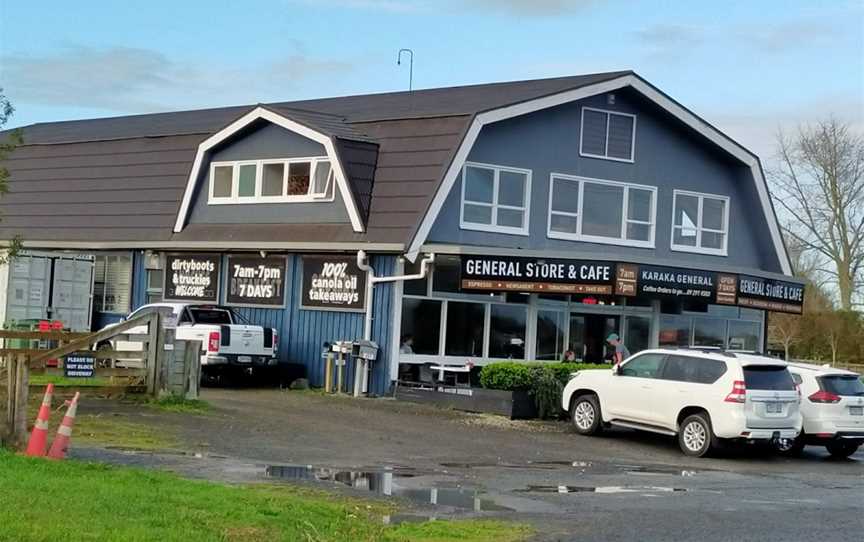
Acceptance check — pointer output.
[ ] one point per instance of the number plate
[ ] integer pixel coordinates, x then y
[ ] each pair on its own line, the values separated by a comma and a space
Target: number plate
244, 359
856, 410
773, 408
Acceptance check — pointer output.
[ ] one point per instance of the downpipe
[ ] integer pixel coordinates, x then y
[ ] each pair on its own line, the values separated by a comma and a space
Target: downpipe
361, 367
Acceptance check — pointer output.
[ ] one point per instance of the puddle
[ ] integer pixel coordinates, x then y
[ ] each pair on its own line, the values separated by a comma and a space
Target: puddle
595, 467
386, 483
609, 490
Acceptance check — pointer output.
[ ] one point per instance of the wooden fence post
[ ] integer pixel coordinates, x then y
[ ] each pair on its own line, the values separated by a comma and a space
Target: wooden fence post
192, 369
153, 357
22, 394
11, 372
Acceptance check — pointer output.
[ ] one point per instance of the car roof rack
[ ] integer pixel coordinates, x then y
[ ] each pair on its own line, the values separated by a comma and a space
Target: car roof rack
706, 350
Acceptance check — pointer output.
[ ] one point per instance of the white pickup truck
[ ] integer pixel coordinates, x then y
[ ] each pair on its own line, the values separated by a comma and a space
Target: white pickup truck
226, 343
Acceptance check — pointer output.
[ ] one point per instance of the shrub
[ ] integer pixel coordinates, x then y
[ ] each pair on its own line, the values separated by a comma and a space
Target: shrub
543, 381
507, 376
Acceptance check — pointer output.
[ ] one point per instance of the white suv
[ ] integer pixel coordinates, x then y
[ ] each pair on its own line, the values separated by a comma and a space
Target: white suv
832, 405
699, 395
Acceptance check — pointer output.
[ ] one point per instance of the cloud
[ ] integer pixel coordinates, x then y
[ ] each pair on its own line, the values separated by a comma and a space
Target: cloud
127, 79
530, 8
789, 35
521, 8
665, 41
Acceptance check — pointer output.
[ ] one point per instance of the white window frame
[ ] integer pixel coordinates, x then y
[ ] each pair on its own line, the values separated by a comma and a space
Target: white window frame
606, 156
328, 195
494, 228
129, 287
579, 236
698, 249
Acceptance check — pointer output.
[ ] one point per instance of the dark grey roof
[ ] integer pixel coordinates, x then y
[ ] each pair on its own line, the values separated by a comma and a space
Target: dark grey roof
325, 113
122, 179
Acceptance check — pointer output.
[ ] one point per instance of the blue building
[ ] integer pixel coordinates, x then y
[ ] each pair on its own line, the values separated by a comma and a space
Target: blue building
554, 212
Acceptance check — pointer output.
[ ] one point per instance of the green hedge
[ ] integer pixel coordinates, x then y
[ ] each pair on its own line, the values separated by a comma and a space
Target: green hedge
512, 376
544, 381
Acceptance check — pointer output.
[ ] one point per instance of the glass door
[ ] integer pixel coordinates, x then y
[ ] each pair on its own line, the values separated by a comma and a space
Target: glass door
576, 348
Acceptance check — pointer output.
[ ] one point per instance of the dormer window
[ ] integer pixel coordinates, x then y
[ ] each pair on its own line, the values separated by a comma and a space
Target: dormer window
271, 181
607, 134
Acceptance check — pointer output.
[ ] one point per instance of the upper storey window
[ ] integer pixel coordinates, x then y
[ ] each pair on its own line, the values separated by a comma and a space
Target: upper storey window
495, 198
271, 181
607, 134
701, 223
600, 211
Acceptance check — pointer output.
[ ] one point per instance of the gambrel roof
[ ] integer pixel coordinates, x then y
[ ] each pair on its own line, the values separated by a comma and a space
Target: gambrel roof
127, 180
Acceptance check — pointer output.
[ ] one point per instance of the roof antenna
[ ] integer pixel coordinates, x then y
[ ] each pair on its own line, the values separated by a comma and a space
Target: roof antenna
410, 66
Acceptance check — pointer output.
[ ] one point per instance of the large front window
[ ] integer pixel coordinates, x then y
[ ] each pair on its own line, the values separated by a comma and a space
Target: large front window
495, 198
700, 223
261, 181
716, 326
601, 211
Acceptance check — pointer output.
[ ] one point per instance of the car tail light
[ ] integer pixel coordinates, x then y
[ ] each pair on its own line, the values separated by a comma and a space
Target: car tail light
738, 393
275, 341
213, 342
823, 397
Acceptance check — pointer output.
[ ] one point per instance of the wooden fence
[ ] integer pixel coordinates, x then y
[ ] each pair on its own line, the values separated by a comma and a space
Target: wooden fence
138, 370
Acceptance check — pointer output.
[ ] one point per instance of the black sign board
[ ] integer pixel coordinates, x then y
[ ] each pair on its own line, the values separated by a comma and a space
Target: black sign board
770, 294
192, 277
255, 281
333, 283
543, 275
670, 282
79, 365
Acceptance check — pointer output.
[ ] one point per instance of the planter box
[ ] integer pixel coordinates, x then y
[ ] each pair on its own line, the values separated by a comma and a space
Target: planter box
513, 404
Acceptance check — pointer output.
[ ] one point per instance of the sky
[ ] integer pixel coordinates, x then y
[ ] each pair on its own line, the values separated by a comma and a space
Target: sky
748, 67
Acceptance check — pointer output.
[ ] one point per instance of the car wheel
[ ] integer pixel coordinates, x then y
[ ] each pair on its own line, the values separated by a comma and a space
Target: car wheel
840, 449
790, 447
585, 415
695, 436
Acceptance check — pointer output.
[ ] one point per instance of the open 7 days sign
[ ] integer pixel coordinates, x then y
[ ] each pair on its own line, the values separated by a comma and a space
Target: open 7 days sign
256, 281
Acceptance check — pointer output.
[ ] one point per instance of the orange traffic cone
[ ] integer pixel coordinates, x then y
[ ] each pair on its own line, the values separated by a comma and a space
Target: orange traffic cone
64, 434
39, 437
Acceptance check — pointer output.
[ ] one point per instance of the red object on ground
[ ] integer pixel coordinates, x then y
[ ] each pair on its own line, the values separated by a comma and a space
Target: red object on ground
64, 434
44, 325
57, 325
39, 436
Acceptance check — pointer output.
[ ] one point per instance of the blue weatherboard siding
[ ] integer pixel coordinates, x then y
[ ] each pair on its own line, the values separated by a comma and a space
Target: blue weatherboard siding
302, 332
666, 156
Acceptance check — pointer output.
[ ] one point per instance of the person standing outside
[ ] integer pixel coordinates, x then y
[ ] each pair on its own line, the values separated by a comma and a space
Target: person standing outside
621, 352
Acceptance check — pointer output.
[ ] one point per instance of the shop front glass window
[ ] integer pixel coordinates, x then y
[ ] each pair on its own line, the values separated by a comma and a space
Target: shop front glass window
507, 336
445, 277
674, 330
709, 332
550, 335
421, 326
465, 329
637, 334
744, 335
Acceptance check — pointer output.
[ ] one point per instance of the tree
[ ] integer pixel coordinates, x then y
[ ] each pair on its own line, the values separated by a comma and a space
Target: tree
819, 183
8, 141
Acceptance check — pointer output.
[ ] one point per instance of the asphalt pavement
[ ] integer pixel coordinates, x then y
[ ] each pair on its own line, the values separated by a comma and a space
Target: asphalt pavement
623, 485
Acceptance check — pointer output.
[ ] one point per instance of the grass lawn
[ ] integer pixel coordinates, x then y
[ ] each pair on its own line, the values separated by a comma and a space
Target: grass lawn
69, 500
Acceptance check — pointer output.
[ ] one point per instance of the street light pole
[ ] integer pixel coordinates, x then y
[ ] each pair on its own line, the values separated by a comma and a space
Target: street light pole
410, 65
